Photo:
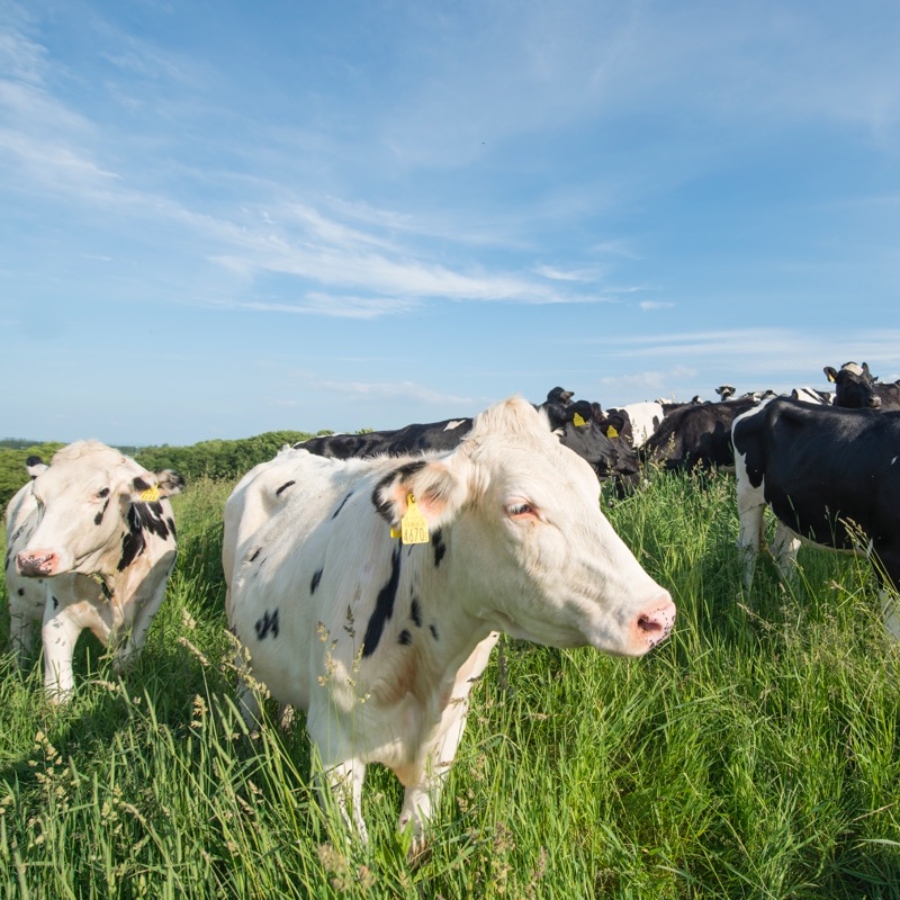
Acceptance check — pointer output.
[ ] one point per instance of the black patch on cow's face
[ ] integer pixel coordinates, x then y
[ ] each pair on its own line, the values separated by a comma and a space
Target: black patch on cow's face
341, 506
256, 553
433, 629
21, 592
99, 517
284, 487
405, 638
440, 548
317, 577
266, 625
55, 602
386, 510
415, 612
384, 606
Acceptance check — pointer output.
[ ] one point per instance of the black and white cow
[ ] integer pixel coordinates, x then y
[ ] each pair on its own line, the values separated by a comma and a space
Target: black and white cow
379, 637
557, 405
830, 475
695, 436
812, 395
588, 437
91, 543
856, 388
640, 421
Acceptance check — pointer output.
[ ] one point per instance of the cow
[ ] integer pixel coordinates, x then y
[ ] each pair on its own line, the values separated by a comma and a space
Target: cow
728, 392
380, 638
695, 436
582, 430
91, 543
812, 395
831, 476
557, 406
640, 421
856, 388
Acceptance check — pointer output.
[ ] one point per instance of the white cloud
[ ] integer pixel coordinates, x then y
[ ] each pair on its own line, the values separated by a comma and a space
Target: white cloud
655, 304
394, 390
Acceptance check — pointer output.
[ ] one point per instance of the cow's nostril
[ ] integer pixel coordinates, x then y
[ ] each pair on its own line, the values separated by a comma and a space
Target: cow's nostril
645, 623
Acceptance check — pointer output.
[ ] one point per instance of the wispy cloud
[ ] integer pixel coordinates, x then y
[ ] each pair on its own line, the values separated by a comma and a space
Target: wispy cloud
337, 306
648, 305
395, 390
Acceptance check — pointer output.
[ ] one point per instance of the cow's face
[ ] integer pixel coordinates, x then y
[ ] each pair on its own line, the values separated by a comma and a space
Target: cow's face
90, 500
854, 386
541, 560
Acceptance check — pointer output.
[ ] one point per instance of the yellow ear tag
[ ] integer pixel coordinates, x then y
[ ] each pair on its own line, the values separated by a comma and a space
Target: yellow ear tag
151, 495
577, 420
611, 432
413, 527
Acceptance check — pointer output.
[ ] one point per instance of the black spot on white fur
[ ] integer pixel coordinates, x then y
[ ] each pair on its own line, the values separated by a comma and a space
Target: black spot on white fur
266, 625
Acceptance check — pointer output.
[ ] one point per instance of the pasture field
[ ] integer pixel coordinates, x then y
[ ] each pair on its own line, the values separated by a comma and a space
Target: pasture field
756, 754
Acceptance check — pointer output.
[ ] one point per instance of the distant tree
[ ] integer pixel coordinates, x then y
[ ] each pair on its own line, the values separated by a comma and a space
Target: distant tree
12, 467
217, 459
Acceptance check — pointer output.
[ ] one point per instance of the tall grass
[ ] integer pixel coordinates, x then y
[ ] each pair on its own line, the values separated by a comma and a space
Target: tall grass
756, 754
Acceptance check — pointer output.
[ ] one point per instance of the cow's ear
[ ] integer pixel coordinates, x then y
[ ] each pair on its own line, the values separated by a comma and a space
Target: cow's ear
34, 465
830, 373
169, 481
614, 420
153, 486
437, 492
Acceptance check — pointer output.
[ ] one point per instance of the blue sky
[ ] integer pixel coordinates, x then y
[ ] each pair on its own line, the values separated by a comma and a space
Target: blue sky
221, 218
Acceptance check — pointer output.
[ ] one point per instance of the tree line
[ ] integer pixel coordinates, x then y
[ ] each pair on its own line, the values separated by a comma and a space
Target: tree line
217, 459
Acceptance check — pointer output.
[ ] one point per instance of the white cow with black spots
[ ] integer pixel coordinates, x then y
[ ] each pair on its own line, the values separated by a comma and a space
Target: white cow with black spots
380, 639
91, 543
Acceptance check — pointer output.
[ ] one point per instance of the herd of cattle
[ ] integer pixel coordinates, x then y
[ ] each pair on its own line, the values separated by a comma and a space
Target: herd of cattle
339, 612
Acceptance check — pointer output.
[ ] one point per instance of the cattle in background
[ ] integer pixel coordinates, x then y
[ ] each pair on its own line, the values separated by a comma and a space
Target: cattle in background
695, 436
856, 388
727, 393
557, 407
345, 446
670, 406
380, 638
811, 395
91, 543
584, 429
830, 475
640, 421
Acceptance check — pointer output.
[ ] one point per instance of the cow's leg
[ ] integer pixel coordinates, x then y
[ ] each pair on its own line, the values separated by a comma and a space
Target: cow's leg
751, 506
342, 784
342, 775
785, 546
247, 695
60, 633
145, 610
890, 612
423, 795
26, 609
890, 592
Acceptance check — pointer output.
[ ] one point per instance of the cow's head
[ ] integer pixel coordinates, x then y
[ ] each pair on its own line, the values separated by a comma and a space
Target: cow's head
536, 556
93, 506
854, 386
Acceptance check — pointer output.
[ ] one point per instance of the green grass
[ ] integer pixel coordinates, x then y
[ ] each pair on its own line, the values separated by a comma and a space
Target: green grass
756, 754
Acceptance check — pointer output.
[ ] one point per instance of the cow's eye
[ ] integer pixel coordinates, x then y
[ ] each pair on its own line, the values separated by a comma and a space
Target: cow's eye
519, 510
102, 494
